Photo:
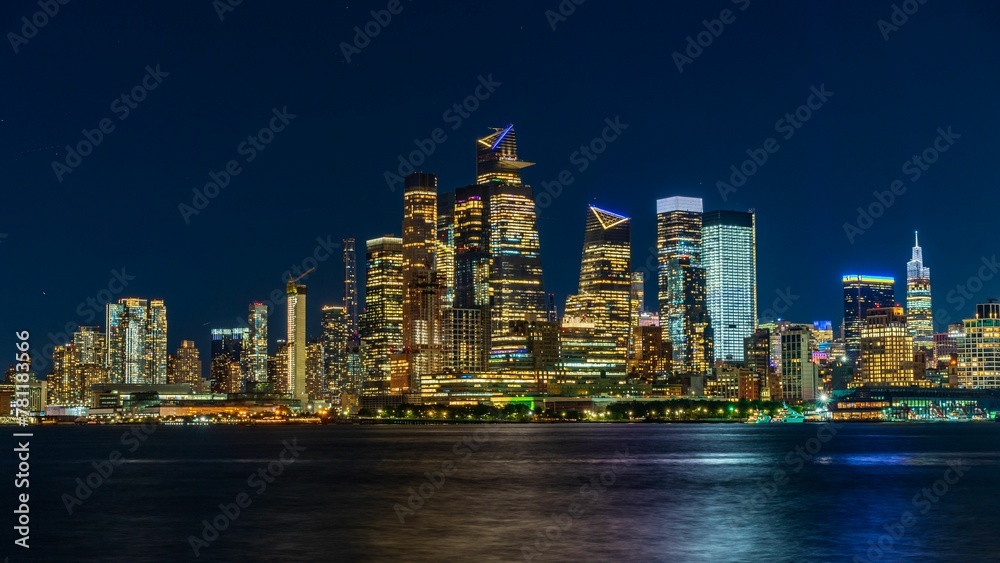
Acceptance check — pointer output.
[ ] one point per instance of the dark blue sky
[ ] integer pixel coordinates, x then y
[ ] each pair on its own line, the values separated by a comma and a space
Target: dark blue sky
323, 174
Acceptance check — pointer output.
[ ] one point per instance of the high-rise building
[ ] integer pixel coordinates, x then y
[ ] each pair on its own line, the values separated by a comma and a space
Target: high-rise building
255, 347
316, 377
637, 308
861, 293
336, 339
445, 259
277, 369
683, 313
886, 354
351, 286
464, 342
422, 296
651, 355
979, 349
64, 385
187, 365
799, 375
229, 352
382, 321
919, 316
137, 341
496, 158
605, 290
296, 295
729, 255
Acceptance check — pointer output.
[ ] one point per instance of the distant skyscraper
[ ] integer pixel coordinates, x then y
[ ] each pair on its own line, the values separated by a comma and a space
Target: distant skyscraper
979, 349
256, 345
187, 365
277, 369
351, 285
799, 376
472, 256
861, 293
920, 317
464, 343
316, 377
296, 294
336, 339
729, 255
137, 341
229, 350
604, 297
886, 353
382, 322
422, 295
446, 246
496, 158
681, 280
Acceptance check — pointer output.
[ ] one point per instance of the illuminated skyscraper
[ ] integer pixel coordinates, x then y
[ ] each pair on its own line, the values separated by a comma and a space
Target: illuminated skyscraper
277, 368
496, 158
137, 341
886, 354
63, 384
351, 285
472, 256
336, 330
604, 297
446, 247
681, 295
256, 345
296, 294
229, 350
920, 317
799, 376
382, 321
729, 255
979, 349
464, 344
90, 345
422, 293
316, 377
861, 293
187, 365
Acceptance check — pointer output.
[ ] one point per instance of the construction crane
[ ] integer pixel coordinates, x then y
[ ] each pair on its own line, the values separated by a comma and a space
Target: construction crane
304, 274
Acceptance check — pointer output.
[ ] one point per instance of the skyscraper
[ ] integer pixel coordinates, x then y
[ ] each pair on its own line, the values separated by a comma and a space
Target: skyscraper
472, 256
861, 293
496, 158
351, 285
382, 321
336, 338
886, 352
919, 315
137, 341
229, 353
316, 378
683, 314
422, 337
979, 349
296, 294
445, 259
604, 297
464, 343
729, 255
256, 345
799, 376
187, 365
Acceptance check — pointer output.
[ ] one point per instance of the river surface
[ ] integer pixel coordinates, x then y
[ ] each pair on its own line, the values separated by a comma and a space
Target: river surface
539, 492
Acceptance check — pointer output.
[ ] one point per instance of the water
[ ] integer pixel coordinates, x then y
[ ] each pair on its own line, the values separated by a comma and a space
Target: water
669, 493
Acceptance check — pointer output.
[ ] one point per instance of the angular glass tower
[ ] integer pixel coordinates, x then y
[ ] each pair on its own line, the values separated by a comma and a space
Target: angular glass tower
861, 293
920, 317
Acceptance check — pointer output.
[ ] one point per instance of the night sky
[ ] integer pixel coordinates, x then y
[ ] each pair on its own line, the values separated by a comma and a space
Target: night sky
323, 175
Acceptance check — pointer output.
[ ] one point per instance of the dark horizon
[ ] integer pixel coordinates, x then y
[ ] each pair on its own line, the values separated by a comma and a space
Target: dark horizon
323, 175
